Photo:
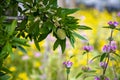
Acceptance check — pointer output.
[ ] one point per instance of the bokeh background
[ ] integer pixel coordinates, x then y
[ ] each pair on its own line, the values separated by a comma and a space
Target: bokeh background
47, 64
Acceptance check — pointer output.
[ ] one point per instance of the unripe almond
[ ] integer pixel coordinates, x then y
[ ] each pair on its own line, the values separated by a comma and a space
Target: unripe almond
61, 34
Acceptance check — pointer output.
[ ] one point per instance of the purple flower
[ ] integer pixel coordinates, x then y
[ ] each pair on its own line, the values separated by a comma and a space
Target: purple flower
113, 46
67, 64
103, 64
113, 24
110, 23
118, 14
106, 48
96, 78
37, 54
88, 48
110, 48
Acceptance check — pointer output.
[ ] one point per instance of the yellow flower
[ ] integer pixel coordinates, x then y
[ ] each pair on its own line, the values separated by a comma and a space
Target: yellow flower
23, 76
12, 68
20, 53
37, 64
30, 53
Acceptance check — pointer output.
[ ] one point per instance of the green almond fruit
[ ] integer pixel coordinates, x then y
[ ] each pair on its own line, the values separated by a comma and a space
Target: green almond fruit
61, 34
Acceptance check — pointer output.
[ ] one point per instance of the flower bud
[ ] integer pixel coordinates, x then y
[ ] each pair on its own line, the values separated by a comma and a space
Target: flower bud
103, 64
67, 64
85, 68
88, 48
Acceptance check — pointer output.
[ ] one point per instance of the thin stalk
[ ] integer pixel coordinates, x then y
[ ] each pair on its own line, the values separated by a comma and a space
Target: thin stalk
106, 65
111, 35
67, 76
87, 59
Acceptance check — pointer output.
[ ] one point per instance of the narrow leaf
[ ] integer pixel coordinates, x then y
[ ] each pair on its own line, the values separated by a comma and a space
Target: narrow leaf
72, 56
117, 55
79, 74
84, 53
37, 44
22, 49
56, 44
102, 57
83, 27
6, 70
67, 11
12, 28
63, 45
72, 40
42, 37
9, 49
79, 36
95, 57
5, 77
117, 29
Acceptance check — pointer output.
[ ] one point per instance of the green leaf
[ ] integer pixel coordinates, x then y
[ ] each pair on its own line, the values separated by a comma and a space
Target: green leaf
23, 24
66, 11
9, 49
84, 53
42, 37
117, 29
102, 57
72, 40
19, 41
83, 27
91, 71
113, 58
22, 49
5, 77
79, 74
79, 36
63, 45
2, 73
37, 44
57, 42
72, 56
95, 57
6, 70
117, 55
11, 28
111, 27
53, 3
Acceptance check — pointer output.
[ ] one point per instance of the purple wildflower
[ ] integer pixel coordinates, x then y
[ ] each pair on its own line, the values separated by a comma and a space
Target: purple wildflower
118, 14
103, 64
96, 78
110, 23
110, 48
113, 46
67, 64
106, 48
37, 54
113, 24
88, 48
